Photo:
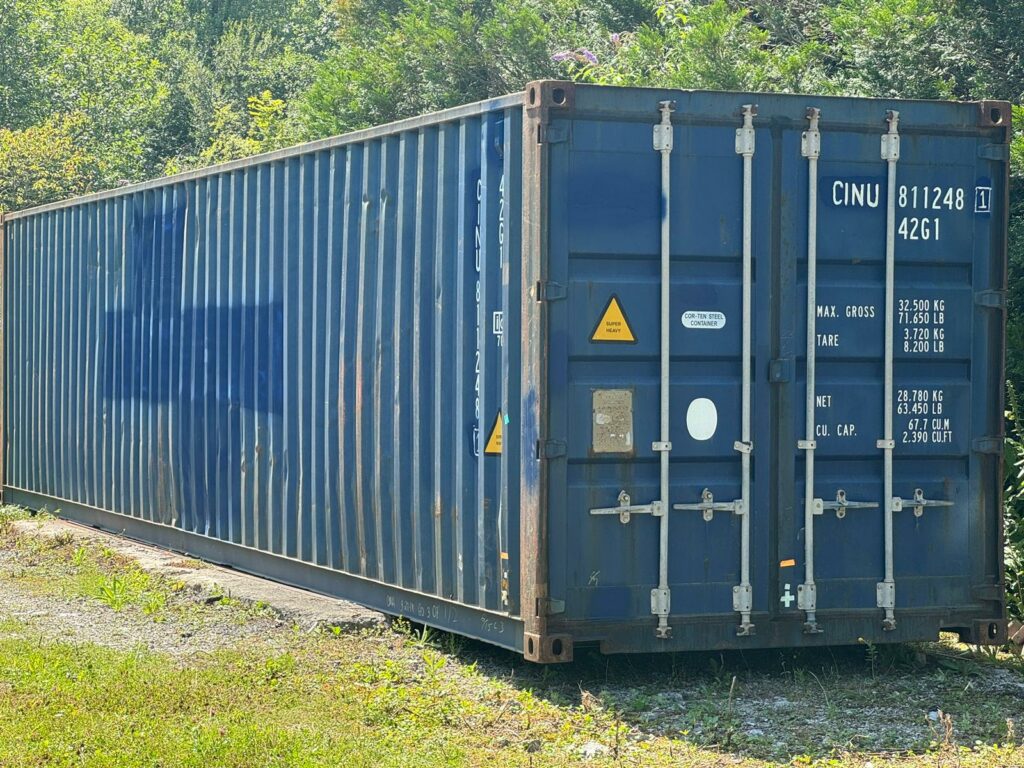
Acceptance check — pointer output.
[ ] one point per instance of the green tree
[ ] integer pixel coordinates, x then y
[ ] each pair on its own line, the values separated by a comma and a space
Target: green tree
46, 162
702, 45
398, 58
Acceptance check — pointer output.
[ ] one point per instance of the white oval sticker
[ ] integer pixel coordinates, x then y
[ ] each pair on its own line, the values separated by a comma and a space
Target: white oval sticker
701, 419
703, 320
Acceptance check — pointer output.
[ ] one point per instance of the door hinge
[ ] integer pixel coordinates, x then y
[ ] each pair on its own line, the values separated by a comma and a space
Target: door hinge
550, 449
993, 299
548, 606
991, 445
554, 133
997, 152
550, 291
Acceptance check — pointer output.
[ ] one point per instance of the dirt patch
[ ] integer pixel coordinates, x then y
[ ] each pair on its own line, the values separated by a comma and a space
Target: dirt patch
188, 607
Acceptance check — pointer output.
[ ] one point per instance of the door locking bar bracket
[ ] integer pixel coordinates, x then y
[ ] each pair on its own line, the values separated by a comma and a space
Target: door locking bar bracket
626, 509
918, 503
841, 504
708, 506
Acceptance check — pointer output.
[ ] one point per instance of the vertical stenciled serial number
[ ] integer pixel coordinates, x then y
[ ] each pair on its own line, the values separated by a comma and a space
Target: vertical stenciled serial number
497, 319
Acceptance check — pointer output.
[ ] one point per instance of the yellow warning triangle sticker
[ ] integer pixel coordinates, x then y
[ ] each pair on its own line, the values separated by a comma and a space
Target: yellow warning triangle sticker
613, 325
493, 447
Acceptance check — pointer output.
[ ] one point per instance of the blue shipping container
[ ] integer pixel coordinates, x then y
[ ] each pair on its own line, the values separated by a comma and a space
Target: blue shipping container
653, 370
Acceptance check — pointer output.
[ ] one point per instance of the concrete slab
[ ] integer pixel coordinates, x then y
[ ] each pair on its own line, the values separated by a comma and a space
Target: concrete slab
308, 610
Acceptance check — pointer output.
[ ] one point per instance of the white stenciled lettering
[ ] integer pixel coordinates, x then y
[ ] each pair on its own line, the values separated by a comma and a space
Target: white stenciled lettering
823, 401
925, 423
827, 310
828, 340
923, 325
855, 194
860, 310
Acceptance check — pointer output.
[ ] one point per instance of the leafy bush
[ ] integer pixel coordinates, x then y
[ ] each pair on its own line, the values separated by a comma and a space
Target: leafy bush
1014, 505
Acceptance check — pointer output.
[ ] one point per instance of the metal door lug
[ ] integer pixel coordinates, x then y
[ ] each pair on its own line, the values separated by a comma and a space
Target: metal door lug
885, 445
742, 598
818, 507
663, 138
897, 504
658, 446
743, 447
661, 602
807, 597
885, 594
806, 445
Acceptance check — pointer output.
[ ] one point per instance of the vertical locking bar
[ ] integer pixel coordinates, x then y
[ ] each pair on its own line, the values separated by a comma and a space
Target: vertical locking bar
661, 597
810, 147
886, 589
743, 594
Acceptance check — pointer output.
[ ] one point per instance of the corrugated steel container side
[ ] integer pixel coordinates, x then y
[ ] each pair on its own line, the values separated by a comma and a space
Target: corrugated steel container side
291, 364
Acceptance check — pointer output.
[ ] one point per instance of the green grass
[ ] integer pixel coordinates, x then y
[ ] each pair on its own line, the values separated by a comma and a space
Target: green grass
416, 697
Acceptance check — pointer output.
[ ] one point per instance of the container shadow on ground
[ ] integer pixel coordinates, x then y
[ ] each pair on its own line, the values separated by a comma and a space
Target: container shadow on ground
775, 704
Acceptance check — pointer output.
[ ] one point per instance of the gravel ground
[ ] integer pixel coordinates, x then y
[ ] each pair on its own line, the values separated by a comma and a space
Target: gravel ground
207, 609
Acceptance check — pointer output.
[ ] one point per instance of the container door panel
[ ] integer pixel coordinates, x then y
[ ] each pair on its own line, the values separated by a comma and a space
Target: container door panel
612, 334
933, 311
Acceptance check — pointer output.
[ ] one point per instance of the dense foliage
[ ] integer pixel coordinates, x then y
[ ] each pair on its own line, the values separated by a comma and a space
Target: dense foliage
94, 93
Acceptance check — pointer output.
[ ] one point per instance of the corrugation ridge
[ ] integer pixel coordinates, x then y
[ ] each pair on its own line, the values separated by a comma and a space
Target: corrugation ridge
424, 371
363, 415
330, 417
203, 430
321, 332
346, 359
233, 365
145, 268
487, 505
247, 329
123, 441
293, 263
403, 515
420, 527
467, 363
273, 444
153, 408
100, 345
388, 569
444, 331
94, 271
45, 365
66, 364
217, 309
510, 363
307, 508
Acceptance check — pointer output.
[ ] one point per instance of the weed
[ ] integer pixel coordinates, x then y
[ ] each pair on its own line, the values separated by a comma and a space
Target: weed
871, 653
114, 593
80, 557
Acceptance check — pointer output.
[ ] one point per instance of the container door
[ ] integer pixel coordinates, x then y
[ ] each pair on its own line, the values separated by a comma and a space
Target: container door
625, 564
883, 398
